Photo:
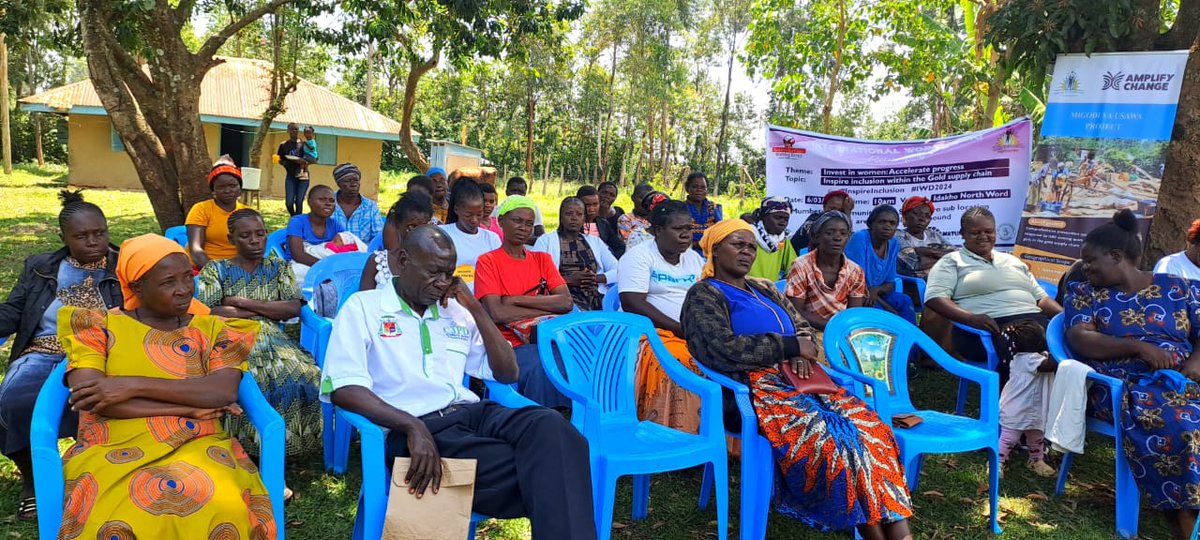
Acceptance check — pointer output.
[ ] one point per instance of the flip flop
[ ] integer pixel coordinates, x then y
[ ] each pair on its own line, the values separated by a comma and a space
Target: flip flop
27, 509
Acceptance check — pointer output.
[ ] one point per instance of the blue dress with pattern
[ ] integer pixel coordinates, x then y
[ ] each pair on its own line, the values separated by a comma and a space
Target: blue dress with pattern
1161, 426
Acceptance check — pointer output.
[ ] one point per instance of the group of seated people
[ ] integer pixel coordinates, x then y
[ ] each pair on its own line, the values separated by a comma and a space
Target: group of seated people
460, 285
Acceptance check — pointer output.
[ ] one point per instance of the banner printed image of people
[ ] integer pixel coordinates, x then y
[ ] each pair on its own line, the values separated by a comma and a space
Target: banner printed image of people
989, 168
1108, 121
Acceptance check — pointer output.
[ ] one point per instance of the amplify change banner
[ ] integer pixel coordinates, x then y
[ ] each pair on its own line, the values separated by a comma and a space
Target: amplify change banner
1103, 148
988, 168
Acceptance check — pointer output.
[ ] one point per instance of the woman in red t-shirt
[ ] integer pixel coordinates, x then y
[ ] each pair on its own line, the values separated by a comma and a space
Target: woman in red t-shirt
520, 288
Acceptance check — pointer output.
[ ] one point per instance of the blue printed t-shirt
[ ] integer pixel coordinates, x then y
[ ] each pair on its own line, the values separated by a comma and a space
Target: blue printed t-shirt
300, 226
644, 270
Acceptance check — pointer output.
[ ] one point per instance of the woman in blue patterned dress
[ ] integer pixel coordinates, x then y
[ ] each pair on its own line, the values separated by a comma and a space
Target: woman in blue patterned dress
1143, 328
249, 286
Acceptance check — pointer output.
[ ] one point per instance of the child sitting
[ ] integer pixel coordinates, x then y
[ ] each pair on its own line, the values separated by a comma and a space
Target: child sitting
1024, 400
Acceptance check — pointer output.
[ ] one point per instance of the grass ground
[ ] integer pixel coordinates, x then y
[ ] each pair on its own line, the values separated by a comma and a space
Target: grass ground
948, 505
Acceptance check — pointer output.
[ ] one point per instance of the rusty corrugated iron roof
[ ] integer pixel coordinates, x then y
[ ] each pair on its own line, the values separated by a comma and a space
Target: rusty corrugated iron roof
239, 88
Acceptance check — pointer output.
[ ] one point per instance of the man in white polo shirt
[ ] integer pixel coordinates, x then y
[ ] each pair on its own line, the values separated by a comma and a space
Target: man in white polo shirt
398, 355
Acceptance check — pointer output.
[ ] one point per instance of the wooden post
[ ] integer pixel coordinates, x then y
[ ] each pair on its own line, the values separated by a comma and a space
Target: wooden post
37, 143
5, 135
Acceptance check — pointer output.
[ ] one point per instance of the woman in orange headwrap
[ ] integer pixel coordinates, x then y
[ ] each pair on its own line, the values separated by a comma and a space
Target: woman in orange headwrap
151, 382
207, 232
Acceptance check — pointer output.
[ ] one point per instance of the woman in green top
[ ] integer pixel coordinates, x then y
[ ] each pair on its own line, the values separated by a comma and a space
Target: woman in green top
775, 252
251, 286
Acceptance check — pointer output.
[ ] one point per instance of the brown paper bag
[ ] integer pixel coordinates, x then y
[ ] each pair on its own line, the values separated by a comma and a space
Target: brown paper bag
445, 516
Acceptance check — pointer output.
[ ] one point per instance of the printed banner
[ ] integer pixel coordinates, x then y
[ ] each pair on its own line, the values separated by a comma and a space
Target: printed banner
1103, 148
988, 168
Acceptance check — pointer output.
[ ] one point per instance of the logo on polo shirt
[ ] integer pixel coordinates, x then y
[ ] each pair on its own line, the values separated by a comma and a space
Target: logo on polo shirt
389, 327
455, 331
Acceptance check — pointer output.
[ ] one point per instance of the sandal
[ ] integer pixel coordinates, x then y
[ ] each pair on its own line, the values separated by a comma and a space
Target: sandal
27, 509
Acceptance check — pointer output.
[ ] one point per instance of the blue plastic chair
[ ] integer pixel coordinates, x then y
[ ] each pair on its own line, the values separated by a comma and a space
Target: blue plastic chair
598, 351
1127, 495
48, 465
872, 347
277, 244
1050, 288
991, 362
376, 243
373, 497
177, 233
344, 270
781, 285
612, 300
918, 283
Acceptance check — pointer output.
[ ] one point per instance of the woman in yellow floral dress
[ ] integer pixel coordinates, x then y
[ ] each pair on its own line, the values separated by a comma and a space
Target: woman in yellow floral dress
151, 383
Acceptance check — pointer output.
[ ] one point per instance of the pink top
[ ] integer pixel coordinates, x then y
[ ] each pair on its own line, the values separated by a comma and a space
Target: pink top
493, 225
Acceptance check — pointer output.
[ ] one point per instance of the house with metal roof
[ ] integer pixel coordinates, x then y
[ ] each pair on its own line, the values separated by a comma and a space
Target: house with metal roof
233, 96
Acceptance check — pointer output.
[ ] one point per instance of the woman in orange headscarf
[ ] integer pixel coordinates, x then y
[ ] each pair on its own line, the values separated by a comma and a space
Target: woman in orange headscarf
151, 382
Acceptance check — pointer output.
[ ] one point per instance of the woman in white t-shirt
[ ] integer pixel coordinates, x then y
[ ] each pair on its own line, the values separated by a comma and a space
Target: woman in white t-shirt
655, 278
1186, 263
462, 224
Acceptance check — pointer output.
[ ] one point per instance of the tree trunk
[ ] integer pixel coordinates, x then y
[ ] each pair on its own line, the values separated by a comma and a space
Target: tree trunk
415, 72
724, 117
156, 111
835, 73
37, 140
370, 77
5, 134
283, 82
530, 110
1179, 195
612, 79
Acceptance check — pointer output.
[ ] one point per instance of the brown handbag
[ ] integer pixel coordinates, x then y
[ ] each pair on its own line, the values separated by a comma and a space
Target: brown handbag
818, 381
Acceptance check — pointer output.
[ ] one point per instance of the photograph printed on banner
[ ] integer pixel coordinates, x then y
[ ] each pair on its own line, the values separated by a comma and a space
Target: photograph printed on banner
1083, 177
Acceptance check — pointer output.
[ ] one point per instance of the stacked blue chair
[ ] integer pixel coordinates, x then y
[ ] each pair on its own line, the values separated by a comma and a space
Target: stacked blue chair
344, 271
376, 243
47, 463
871, 346
598, 351
177, 233
1127, 496
991, 362
373, 497
277, 244
918, 283
612, 299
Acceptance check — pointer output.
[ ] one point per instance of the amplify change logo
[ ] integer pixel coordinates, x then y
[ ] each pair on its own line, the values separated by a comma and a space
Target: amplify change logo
1137, 82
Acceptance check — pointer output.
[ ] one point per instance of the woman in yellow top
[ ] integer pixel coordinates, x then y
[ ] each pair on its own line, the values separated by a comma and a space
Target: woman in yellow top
207, 221
151, 382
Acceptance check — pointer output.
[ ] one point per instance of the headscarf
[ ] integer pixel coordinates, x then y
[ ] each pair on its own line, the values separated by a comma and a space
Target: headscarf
516, 201
835, 193
224, 165
815, 227
772, 242
653, 199
434, 170
916, 201
881, 210
713, 236
137, 256
344, 170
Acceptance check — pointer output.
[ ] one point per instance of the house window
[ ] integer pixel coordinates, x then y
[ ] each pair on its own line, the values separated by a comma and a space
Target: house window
326, 149
115, 139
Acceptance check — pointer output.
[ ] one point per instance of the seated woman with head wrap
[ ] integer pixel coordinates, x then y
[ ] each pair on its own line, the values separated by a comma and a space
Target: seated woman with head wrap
251, 286
836, 461
520, 288
775, 252
208, 237
151, 383
877, 251
824, 281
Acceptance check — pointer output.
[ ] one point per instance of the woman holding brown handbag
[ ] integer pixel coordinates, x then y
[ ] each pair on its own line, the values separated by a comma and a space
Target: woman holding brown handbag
837, 460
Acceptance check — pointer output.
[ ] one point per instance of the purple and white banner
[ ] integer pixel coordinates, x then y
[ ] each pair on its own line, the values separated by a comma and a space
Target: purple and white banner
983, 168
